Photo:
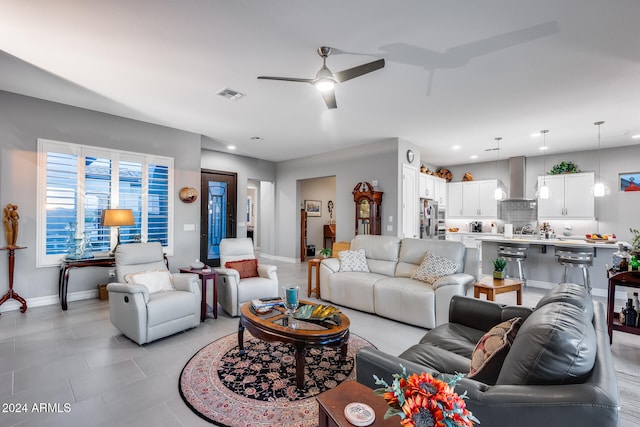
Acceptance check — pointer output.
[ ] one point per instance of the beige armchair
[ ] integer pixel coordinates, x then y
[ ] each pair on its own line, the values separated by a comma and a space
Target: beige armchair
149, 302
233, 288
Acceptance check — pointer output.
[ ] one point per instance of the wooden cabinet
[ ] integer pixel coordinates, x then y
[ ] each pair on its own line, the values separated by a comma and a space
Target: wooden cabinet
472, 199
368, 209
570, 196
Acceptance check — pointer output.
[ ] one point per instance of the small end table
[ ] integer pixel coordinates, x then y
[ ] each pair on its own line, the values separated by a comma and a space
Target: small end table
331, 405
311, 264
491, 287
205, 274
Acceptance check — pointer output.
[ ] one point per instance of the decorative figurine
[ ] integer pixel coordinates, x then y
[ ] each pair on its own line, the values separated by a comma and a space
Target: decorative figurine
10, 221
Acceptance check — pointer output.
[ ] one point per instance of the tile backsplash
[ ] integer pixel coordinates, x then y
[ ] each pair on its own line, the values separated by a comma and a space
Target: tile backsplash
518, 212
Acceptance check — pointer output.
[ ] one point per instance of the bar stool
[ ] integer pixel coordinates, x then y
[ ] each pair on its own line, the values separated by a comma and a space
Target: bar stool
517, 252
576, 257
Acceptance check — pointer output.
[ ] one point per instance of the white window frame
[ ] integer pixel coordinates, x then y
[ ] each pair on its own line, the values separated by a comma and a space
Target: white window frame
46, 145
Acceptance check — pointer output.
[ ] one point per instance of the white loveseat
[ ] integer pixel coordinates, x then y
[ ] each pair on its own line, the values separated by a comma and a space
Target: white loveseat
388, 289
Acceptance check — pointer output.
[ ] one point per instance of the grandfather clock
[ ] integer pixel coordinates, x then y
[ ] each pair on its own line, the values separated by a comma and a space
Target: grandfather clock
368, 209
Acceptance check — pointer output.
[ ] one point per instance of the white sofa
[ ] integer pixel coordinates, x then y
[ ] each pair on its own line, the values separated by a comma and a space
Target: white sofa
388, 289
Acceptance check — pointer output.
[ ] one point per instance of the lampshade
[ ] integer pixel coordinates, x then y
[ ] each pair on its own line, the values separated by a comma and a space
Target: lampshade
116, 217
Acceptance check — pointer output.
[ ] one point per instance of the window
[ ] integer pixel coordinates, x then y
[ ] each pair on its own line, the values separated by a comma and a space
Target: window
77, 182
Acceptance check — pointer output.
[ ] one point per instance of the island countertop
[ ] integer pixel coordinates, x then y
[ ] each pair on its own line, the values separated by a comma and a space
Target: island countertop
554, 242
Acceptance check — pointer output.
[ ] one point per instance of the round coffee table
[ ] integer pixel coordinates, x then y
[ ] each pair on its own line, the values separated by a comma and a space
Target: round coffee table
278, 326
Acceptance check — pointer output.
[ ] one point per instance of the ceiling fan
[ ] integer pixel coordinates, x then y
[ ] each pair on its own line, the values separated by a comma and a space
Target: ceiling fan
325, 80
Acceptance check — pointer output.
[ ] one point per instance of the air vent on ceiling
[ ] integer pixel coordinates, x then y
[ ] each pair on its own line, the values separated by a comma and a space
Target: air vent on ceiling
230, 94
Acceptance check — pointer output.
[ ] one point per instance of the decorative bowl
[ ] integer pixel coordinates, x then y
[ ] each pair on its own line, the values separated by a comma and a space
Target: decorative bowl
197, 265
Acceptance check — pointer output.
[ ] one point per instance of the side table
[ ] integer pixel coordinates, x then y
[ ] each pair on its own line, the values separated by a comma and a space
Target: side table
491, 287
311, 264
205, 275
331, 405
629, 279
11, 250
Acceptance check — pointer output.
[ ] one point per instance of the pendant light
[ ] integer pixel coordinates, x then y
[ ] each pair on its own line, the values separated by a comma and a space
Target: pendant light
543, 192
498, 193
599, 189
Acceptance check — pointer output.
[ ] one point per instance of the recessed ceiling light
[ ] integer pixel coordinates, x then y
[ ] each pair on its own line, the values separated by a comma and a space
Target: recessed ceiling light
544, 148
635, 136
455, 147
474, 156
231, 147
535, 135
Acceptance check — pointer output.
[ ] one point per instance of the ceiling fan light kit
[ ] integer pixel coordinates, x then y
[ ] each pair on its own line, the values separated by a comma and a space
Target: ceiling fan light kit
326, 80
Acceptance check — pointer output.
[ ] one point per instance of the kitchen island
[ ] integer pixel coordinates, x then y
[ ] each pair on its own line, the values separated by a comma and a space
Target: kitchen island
541, 267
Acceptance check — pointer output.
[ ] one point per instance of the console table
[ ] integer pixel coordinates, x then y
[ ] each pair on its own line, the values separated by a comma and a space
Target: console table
630, 279
70, 264
11, 250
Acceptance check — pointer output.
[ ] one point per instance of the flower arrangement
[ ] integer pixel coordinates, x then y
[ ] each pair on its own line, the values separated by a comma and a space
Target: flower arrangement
424, 401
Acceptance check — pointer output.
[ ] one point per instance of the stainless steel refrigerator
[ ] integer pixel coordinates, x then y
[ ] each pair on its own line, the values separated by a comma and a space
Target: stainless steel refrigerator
432, 220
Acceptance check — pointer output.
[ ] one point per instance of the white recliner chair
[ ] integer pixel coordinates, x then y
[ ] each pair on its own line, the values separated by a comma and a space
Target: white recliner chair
149, 302
234, 291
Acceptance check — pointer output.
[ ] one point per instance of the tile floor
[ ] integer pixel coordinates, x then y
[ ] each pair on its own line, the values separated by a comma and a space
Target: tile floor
78, 359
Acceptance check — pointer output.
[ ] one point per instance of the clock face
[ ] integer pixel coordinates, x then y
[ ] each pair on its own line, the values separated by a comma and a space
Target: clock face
410, 156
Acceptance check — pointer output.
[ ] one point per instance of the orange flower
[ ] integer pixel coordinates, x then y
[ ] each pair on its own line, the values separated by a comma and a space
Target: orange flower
422, 411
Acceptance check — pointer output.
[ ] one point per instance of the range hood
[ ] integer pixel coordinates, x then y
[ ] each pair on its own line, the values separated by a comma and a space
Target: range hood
517, 179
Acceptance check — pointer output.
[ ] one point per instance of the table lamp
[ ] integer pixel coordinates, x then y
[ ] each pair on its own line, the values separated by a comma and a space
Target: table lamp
116, 218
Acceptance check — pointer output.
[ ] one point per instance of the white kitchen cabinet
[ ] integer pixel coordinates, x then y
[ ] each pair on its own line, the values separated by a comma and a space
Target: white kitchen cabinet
427, 187
454, 200
441, 191
570, 196
478, 199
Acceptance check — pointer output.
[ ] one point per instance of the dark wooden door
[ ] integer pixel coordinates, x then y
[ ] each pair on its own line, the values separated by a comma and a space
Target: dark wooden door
218, 213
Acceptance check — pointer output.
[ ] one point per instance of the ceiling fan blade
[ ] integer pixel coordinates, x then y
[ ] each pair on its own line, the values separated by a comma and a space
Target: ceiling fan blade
329, 97
351, 73
287, 79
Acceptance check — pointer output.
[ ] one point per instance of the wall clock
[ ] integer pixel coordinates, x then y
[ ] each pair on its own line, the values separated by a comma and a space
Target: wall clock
410, 156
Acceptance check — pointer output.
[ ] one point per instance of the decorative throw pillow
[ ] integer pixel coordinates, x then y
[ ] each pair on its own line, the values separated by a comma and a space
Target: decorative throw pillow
353, 261
434, 267
155, 281
492, 349
246, 267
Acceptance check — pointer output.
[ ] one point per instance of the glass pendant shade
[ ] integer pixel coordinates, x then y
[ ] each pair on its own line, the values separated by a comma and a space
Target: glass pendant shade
543, 192
599, 190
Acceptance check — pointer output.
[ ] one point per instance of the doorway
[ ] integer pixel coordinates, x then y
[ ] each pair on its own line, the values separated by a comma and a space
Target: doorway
218, 213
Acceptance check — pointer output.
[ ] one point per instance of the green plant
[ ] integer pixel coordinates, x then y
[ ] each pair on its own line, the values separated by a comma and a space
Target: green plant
635, 242
564, 167
325, 252
499, 264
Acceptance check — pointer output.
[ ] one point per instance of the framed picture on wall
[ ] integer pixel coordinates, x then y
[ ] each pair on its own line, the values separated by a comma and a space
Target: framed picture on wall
313, 207
630, 181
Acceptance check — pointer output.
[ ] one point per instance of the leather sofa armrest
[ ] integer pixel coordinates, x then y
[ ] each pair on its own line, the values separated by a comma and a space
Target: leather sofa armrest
458, 279
230, 273
268, 271
186, 282
482, 314
370, 361
333, 264
129, 288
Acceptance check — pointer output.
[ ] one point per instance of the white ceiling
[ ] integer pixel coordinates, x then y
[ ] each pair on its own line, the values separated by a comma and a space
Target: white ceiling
457, 72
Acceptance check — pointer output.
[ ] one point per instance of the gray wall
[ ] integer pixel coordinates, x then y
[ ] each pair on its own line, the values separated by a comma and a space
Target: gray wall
616, 212
323, 189
375, 161
22, 121
248, 169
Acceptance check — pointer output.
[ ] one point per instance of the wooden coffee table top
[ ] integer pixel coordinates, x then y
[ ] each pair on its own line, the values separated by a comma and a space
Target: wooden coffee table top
280, 324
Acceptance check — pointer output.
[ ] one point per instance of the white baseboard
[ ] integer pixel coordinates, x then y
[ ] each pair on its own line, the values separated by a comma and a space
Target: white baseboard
12, 305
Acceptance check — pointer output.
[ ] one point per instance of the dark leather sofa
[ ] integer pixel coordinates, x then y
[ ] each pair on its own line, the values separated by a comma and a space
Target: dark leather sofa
558, 372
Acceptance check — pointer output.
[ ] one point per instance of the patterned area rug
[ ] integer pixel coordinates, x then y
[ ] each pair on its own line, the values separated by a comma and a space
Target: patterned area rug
259, 388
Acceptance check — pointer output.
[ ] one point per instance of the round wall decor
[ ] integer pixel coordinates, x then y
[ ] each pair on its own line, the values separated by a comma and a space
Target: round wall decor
188, 194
